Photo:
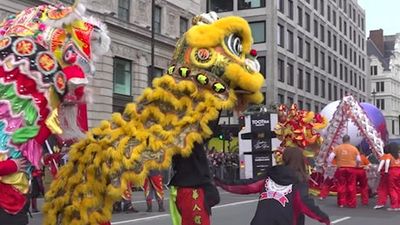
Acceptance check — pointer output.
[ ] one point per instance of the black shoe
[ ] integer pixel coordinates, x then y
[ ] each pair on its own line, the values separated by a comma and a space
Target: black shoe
130, 209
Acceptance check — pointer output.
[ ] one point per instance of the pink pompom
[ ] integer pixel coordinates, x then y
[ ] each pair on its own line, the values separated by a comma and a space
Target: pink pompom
42, 27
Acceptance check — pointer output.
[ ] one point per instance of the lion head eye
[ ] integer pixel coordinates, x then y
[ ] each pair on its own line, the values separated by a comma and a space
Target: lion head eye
234, 44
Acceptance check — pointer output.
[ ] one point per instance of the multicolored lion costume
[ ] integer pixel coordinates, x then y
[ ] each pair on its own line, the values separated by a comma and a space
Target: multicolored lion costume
211, 70
46, 56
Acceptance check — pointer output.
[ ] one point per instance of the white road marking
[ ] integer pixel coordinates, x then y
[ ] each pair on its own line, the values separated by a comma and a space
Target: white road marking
164, 215
341, 219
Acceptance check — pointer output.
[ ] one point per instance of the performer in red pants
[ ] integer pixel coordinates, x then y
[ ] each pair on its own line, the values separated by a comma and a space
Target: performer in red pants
153, 188
362, 180
394, 178
347, 158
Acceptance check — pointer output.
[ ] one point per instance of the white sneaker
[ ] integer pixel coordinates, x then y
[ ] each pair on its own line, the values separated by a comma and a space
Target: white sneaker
379, 206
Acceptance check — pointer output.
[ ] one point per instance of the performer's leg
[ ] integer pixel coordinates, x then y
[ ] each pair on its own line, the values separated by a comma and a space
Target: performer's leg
341, 187
190, 202
363, 181
382, 191
351, 187
325, 188
394, 187
148, 194
157, 185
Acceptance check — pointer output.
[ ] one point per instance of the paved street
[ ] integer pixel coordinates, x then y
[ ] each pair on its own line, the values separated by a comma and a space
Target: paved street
238, 210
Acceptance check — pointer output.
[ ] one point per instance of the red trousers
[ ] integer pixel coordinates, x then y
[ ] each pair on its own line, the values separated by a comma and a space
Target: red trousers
362, 180
394, 187
191, 205
153, 186
383, 190
346, 186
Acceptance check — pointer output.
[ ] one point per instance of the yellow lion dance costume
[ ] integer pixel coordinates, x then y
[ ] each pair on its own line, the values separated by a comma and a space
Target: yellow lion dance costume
211, 70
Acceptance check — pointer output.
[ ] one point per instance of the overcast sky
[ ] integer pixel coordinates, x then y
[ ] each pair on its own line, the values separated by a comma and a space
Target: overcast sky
383, 14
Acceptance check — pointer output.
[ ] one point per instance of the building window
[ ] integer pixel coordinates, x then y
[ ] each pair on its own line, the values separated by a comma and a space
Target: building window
68, 1
334, 43
281, 70
329, 38
122, 76
334, 68
220, 6
329, 92
123, 9
393, 124
316, 56
374, 70
308, 51
341, 71
290, 40
281, 36
335, 93
261, 60
258, 31
322, 60
363, 84
158, 72
334, 17
183, 25
290, 8
329, 64
281, 99
322, 88
380, 86
308, 106
316, 107
308, 82
300, 79
316, 28
308, 22
290, 100
290, 74
300, 104
316, 5
281, 6
322, 32
157, 19
321, 6
251, 4
300, 47
380, 104
299, 16
329, 13
316, 86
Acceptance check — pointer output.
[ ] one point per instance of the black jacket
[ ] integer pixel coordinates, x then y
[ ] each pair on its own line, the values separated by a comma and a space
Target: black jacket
283, 200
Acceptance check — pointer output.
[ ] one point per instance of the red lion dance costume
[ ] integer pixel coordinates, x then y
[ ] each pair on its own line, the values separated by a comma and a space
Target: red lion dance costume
46, 57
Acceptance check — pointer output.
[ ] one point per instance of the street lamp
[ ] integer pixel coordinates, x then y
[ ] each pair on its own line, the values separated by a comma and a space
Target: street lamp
373, 97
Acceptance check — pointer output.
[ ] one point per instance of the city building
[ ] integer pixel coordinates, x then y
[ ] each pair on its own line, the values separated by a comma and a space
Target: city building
384, 61
311, 51
123, 73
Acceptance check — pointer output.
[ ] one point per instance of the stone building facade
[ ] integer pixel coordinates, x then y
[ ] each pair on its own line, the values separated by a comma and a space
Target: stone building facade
384, 62
123, 73
312, 52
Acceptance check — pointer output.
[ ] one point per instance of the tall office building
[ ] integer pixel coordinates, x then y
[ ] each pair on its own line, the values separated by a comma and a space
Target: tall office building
123, 73
311, 51
384, 61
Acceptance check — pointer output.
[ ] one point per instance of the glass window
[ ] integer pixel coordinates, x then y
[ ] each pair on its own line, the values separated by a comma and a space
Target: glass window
300, 79
122, 76
183, 25
281, 6
322, 88
290, 100
290, 40
123, 9
316, 86
329, 91
316, 56
308, 82
308, 106
258, 31
301, 104
157, 19
308, 51
322, 60
281, 36
281, 70
250, 4
290, 9
299, 16
335, 93
261, 60
281, 99
308, 22
300, 47
158, 72
322, 32
220, 6
374, 70
316, 28
290, 75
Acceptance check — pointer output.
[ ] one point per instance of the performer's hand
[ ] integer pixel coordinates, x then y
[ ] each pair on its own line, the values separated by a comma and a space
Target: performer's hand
21, 163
